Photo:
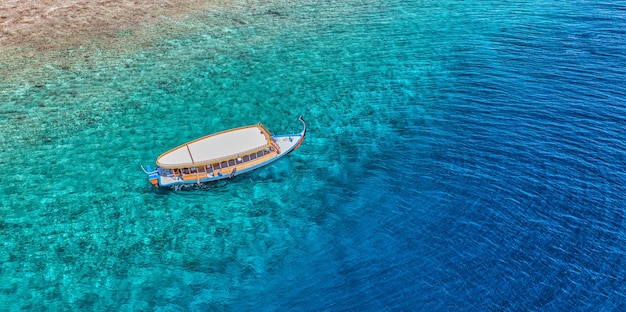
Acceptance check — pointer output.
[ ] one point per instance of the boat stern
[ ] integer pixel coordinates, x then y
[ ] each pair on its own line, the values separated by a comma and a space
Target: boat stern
154, 181
153, 175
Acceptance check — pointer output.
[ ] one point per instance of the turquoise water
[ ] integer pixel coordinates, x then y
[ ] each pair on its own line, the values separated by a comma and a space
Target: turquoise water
460, 155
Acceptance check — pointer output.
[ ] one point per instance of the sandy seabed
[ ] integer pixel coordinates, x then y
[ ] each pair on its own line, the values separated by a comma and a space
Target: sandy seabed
36, 32
60, 23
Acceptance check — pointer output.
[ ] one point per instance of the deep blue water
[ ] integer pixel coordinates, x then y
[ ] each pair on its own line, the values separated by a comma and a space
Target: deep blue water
461, 156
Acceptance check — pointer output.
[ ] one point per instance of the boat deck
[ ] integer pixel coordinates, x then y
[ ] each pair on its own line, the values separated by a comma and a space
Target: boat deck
285, 143
222, 155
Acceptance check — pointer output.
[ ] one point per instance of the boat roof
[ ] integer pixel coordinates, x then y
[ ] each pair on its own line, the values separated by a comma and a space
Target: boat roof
215, 147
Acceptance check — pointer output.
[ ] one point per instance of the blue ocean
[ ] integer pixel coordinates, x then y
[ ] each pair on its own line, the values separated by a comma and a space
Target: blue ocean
460, 156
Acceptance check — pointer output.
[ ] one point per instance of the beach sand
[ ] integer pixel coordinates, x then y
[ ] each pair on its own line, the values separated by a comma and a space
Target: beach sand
36, 32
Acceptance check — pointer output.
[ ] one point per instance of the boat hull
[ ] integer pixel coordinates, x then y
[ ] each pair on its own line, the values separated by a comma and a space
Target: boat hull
280, 146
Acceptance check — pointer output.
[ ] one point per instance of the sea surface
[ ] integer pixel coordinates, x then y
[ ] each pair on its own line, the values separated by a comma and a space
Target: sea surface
461, 156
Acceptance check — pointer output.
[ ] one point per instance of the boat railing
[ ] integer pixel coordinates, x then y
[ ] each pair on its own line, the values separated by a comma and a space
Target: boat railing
262, 126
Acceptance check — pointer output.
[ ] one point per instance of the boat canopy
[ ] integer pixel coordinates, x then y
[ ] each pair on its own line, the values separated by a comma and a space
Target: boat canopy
216, 147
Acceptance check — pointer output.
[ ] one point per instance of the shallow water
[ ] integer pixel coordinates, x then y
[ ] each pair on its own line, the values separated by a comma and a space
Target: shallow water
460, 156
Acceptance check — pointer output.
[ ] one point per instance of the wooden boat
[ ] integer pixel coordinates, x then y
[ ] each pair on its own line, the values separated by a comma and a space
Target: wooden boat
222, 155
